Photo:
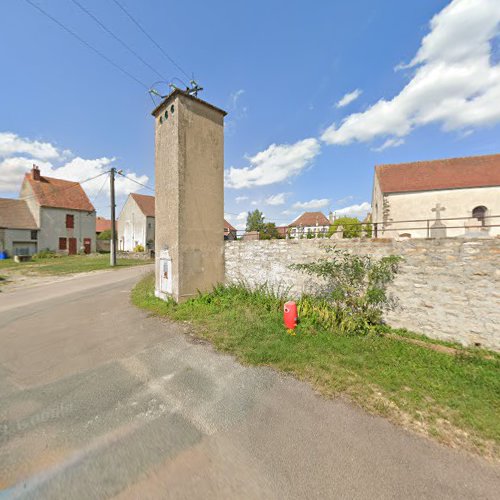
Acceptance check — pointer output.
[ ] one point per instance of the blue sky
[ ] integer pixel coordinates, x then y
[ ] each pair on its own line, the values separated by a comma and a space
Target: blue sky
422, 78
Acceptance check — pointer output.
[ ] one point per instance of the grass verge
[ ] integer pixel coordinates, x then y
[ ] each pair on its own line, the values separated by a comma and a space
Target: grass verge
454, 398
66, 264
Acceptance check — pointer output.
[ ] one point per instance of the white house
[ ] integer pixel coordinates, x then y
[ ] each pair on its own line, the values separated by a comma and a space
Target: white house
440, 198
313, 223
18, 229
136, 223
62, 212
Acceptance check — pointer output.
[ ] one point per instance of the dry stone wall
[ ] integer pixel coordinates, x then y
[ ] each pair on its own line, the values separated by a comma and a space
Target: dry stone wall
447, 288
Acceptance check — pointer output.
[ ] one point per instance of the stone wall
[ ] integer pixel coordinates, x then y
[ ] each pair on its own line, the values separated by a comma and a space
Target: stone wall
448, 289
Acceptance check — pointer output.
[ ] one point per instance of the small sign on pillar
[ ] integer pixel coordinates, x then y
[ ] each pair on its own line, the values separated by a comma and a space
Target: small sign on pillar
165, 274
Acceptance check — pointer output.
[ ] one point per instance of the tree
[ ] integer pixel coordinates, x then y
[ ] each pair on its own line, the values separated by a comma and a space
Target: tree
352, 227
255, 221
269, 231
104, 235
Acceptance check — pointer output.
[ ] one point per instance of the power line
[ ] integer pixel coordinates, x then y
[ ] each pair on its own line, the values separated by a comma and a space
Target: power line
87, 44
137, 182
116, 37
127, 13
100, 189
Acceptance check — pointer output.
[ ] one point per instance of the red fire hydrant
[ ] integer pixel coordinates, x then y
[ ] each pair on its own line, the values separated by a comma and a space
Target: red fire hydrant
290, 316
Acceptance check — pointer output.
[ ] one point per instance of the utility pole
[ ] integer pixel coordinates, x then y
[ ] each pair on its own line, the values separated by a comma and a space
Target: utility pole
112, 254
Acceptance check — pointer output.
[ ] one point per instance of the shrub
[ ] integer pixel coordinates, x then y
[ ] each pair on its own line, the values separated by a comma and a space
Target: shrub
351, 226
104, 235
139, 248
46, 254
353, 291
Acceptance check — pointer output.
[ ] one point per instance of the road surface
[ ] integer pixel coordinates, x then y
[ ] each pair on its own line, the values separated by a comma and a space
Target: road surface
99, 400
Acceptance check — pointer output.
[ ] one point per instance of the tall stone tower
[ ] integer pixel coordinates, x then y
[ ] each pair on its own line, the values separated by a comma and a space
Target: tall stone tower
189, 212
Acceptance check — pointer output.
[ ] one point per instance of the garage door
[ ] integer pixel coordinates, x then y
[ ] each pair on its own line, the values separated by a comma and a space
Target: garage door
23, 248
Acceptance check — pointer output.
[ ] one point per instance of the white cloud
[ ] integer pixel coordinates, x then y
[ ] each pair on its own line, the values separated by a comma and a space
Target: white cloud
289, 212
239, 199
277, 163
455, 83
312, 204
11, 144
276, 199
348, 98
392, 142
13, 167
344, 200
234, 97
354, 210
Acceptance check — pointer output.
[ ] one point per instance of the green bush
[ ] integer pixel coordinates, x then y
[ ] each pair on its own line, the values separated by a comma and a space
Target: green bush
353, 292
352, 227
139, 248
104, 235
46, 254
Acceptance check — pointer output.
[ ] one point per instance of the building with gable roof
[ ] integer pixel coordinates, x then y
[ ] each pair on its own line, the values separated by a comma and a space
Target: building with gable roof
61, 211
136, 223
18, 229
439, 198
313, 223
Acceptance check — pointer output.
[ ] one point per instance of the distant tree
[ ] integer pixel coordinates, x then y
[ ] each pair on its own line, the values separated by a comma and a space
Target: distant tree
352, 227
269, 231
104, 235
255, 221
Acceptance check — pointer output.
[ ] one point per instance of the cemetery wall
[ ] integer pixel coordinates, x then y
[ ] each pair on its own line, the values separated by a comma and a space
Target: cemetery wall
448, 289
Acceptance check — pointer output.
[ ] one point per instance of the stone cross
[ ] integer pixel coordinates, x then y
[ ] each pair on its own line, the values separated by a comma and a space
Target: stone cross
438, 208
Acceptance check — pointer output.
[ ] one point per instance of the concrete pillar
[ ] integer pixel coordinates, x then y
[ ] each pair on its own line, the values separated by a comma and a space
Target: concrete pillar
189, 212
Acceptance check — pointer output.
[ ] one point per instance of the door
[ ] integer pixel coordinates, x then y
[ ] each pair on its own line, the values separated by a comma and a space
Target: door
86, 245
72, 246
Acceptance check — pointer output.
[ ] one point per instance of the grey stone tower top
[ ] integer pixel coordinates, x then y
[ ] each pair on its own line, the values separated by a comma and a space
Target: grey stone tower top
189, 212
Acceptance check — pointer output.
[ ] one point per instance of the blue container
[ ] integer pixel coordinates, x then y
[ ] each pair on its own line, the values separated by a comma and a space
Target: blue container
3, 255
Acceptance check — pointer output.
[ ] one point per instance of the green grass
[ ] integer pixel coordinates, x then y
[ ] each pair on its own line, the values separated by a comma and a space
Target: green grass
454, 398
65, 264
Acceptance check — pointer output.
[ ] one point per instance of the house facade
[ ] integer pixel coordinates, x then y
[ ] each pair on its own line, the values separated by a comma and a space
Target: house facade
62, 212
230, 233
136, 223
309, 223
440, 198
18, 229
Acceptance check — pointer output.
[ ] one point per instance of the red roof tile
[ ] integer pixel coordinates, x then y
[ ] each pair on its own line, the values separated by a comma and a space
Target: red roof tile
102, 224
449, 173
15, 214
228, 226
310, 219
146, 203
58, 193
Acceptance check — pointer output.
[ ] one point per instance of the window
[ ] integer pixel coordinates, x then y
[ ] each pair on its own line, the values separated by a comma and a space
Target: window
70, 221
34, 235
479, 213
63, 243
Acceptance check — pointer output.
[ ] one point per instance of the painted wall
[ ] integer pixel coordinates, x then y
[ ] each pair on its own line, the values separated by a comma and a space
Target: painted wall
53, 227
447, 288
419, 205
133, 227
18, 241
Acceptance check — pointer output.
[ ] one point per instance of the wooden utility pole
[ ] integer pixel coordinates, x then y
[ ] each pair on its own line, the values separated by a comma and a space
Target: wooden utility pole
112, 254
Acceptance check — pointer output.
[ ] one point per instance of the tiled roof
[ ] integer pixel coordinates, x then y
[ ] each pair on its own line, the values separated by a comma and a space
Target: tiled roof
15, 214
146, 203
310, 219
228, 226
450, 173
102, 224
58, 193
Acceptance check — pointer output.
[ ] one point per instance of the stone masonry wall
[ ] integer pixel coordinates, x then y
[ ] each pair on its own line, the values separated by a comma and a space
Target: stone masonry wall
447, 289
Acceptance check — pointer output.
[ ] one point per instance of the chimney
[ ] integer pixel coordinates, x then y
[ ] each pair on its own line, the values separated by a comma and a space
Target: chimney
35, 173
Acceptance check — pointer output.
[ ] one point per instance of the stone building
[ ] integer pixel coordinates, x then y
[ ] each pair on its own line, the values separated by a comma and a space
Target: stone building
63, 214
455, 197
136, 223
313, 223
18, 229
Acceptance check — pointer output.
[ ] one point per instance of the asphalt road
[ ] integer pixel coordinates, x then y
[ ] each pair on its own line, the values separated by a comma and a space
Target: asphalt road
99, 400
